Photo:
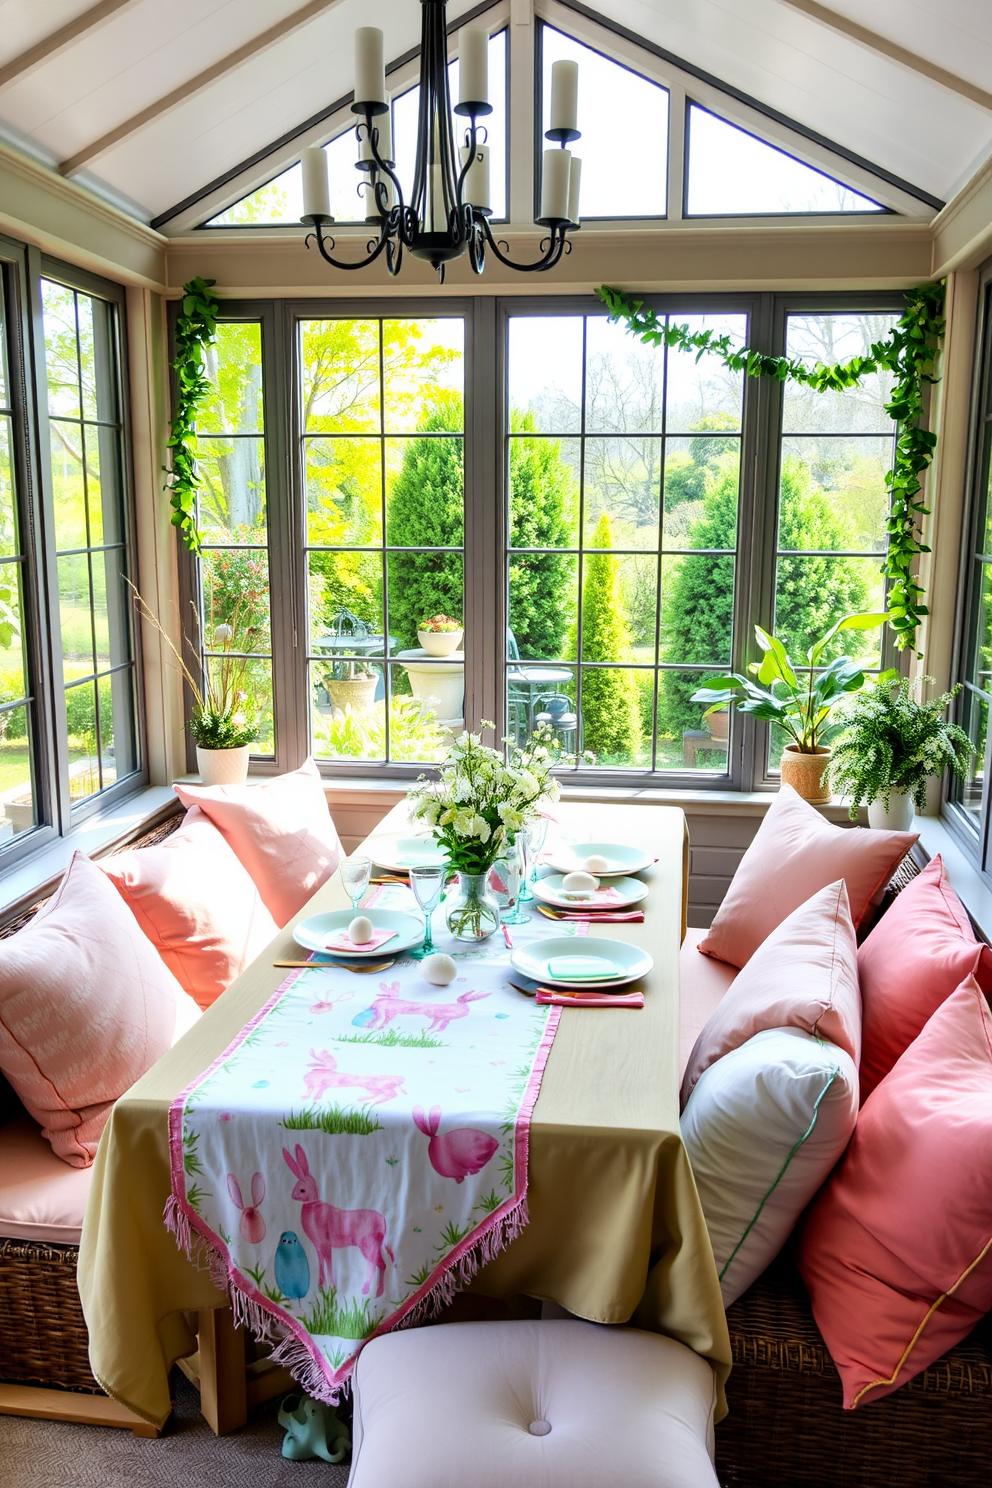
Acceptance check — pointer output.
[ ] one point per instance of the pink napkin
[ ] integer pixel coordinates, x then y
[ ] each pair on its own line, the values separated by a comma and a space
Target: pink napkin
342, 941
636, 915
591, 999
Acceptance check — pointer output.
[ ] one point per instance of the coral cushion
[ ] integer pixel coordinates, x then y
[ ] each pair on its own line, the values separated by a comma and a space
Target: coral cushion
897, 1250
197, 904
920, 951
804, 976
794, 854
41, 1198
532, 1404
280, 829
763, 1128
86, 1007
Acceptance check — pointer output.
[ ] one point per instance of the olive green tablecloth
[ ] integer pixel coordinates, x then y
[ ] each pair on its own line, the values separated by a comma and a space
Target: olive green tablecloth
616, 1232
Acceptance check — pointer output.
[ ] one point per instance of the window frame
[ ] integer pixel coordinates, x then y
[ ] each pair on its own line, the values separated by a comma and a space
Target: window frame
973, 836
486, 513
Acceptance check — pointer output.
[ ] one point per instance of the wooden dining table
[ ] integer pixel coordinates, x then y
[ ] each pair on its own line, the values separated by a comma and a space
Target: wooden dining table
616, 1233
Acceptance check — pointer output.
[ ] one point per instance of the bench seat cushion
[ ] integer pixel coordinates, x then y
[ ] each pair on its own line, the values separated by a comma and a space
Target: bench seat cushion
41, 1197
702, 983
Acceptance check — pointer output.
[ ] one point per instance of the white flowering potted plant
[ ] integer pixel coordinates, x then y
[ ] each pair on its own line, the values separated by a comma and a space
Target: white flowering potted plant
891, 745
440, 635
475, 808
223, 720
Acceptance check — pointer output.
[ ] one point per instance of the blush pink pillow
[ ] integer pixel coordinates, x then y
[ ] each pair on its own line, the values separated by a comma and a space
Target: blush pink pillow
86, 1007
197, 905
280, 829
804, 976
897, 1250
918, 953
794, 854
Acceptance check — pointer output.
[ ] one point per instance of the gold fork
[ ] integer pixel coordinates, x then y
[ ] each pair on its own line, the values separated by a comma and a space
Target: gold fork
364, 970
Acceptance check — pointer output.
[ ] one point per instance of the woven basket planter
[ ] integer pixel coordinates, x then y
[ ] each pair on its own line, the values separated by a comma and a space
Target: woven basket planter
43, 1338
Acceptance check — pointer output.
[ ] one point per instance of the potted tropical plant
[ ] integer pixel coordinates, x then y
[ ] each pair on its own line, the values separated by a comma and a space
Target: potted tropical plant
224, 718
351, 684
891, 745
798, 697
440, 635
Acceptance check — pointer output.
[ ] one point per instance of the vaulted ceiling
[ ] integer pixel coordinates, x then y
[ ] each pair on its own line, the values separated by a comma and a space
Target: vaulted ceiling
149, 100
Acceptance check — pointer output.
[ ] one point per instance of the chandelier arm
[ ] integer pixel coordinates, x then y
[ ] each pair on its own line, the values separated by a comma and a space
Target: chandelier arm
382, 165
551, 254
472, 145
318, 237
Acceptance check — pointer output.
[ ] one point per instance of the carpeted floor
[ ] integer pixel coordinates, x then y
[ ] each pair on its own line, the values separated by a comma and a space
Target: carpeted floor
51, 1454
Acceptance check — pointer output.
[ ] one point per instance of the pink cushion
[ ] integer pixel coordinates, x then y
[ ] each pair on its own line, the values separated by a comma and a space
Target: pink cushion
794, 854
918, 953
897, 1250
702, 984
803, 976
197, 905
86, 1007
281, 830
41, 1197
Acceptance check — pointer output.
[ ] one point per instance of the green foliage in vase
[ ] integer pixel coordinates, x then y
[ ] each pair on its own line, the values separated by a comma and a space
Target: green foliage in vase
890, 741
910, 352
799, 697
611, 721
212, 730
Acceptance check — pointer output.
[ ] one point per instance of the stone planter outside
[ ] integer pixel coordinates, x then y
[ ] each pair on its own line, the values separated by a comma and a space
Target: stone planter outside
358, 693
807, 773
439, 684
223, 766
440, 642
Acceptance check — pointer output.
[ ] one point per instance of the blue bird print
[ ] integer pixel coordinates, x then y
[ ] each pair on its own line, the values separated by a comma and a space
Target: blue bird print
364, 1018
292, 1266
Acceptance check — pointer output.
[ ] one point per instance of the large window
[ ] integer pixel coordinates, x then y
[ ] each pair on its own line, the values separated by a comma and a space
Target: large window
69, 736
588, 526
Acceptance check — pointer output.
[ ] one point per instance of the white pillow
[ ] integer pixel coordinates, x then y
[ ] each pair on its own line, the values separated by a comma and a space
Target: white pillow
763, 1128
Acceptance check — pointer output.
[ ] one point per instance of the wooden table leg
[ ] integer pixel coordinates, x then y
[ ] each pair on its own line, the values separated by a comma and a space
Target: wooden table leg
223, 1385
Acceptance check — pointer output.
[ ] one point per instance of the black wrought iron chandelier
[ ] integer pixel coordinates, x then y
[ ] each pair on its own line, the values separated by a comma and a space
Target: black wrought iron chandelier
449, 212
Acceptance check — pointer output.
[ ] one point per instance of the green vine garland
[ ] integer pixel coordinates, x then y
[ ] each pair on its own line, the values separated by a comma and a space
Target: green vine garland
910, 352
196, 327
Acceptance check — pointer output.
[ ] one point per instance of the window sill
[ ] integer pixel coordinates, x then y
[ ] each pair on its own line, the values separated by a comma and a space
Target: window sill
972, 888
36, 876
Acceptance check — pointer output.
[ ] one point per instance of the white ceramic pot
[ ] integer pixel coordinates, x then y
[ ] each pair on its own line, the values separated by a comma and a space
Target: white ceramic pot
898, 818
223, 766
440, 642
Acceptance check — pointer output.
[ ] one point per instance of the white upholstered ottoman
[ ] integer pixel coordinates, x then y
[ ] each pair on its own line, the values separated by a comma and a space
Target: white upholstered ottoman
531, 1405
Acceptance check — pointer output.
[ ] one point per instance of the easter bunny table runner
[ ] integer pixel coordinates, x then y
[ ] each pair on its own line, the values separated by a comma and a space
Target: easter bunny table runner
359, 1150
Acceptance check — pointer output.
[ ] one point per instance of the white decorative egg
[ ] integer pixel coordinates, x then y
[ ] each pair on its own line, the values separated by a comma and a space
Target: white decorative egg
579, 884
360, 930
439, 969
597, 864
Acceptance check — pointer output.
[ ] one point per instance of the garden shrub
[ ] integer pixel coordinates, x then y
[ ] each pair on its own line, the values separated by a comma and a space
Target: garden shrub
541, 489
611, 724
426, 509
414, 731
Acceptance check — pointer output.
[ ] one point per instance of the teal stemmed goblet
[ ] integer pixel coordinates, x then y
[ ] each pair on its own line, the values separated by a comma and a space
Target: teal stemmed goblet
427, 884
355, 874
537, 832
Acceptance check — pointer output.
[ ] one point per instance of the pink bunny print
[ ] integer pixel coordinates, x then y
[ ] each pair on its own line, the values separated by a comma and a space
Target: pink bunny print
330, 1229
389, 1005
252, 1224
458, 1153
324, 1075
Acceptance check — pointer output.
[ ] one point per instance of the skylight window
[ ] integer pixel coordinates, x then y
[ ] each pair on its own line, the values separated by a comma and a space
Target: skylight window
732, 173
608, 93
279, 202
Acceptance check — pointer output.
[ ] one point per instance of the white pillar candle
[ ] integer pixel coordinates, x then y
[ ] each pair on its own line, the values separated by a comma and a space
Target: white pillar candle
370, 71
372, 213
384, 124
554, 184
316, 196
437, 217
564, 95
473, 65
476, 191
574, 182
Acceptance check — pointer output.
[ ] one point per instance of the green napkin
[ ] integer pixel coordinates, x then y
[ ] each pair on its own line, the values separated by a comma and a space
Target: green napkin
582, 969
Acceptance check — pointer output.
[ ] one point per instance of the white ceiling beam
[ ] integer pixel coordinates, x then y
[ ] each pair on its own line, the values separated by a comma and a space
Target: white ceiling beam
195, 84
892, 49
49, 45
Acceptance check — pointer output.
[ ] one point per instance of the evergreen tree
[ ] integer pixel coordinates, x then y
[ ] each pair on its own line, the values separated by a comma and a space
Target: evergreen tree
541, 487
811, 592
611, 724
426, 509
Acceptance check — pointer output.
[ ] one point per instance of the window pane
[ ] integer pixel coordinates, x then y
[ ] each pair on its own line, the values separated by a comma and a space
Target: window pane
424, 712
536, 695
702, 476
704, 395
84, 757
615, 716
232, 490
623, 485
76, 616
344, 491
544, 489
625, 381
233, 365
829, 339
975, 721
690, 737
13, 657
423, 375
422, 586
733, 173
544, 608
236, 595
16, 785
980, 672
837, 493
608, 92
545, 372
340, 362
812, 593
349, 712
247, 683
697, 609
61, 350
8, 517
68, 488
345, 604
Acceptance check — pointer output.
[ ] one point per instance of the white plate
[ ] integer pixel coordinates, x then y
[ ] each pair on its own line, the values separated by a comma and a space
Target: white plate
630, 960
402, 853
621, 859
313, 933
631, 891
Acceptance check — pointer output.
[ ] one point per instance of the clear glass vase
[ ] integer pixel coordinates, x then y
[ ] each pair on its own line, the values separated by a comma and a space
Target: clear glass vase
472, 912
